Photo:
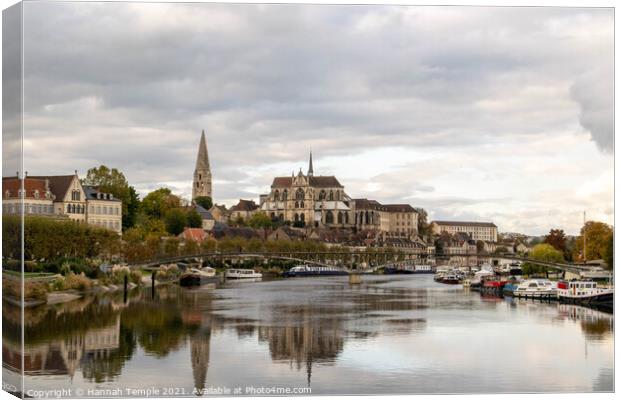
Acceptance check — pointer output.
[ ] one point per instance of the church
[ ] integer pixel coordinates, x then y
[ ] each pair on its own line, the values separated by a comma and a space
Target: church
307, 200
201, 185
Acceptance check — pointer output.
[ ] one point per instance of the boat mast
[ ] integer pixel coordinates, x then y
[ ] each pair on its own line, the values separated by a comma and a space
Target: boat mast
584, 238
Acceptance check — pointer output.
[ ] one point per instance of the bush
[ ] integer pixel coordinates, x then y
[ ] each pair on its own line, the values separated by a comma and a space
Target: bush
32, 290
77, 282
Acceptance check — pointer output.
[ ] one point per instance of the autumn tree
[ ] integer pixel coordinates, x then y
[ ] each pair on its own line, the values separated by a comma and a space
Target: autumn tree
557, 239
597, 241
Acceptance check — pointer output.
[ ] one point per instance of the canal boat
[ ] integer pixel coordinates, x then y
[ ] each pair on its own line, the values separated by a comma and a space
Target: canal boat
536, 288
585, 293
197, 276
307, 270
494, 287
242, 274
408, 269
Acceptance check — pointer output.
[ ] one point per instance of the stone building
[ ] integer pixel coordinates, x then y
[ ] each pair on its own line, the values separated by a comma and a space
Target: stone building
62, 196
308, 200
395, 219
201, 185
243, 210
37, 197
485, 231
103, 209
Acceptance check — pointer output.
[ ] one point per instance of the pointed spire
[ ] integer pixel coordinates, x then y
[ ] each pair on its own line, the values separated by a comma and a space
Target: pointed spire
202, 161
310, 168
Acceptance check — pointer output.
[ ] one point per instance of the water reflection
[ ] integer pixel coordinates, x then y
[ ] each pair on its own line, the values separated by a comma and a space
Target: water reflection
300, 325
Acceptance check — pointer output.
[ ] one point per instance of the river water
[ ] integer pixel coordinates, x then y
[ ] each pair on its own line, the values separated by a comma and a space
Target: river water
389, 335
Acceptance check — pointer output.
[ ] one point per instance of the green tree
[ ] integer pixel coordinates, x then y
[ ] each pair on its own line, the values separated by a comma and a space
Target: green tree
546, 252
424, 228
597, 239
260, 220
204, 201
111, 180
194, 220
175, 220
158, 202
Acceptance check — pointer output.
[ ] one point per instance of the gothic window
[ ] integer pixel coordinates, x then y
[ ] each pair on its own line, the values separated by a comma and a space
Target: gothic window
339, 217
331, 195
346, 218
281, 217
199, 176
302, 218
68, 208
322, 195
285, 195
296, 217
296, 204
329, 217
276, 195
301, 204
299, 194
367, 218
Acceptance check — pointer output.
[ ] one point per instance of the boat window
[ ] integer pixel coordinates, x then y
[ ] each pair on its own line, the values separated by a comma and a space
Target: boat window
533, 284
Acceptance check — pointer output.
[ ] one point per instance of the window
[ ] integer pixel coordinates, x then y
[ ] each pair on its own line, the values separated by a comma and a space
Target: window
299, 194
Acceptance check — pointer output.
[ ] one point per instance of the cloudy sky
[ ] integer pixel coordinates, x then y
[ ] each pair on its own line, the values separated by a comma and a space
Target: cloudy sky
501, 114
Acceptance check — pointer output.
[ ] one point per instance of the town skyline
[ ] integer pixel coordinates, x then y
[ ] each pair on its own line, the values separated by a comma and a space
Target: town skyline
519, 134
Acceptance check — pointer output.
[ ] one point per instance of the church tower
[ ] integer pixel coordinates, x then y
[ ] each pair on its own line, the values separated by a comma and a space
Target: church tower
202, 173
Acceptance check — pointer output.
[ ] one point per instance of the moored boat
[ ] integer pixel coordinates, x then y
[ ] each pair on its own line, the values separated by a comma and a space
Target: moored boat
585, 293
197, 276
536, 288
242, 274
307, 270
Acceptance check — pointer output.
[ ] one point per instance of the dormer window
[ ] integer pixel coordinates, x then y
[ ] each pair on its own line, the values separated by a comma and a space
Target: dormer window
36, 194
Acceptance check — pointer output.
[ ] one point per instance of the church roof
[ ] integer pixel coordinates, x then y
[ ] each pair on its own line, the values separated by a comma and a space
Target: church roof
202, 161
314, 181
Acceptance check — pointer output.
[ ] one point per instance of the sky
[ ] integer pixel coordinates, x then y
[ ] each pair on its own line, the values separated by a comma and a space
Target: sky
472, 113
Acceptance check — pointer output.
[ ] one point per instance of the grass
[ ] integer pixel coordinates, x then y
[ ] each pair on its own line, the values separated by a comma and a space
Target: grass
28, 274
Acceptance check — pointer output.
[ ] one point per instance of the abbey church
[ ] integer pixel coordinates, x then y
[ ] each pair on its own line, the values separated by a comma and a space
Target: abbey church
309, 200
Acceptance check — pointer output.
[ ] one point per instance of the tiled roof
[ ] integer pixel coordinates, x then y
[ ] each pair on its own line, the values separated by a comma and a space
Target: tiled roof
375, 205
204, 213
466, 223
12, 184
314, 181
59, 184
195, 234
244, 205
399, 207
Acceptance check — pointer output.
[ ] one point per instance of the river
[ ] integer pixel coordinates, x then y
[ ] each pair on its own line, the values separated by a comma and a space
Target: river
389, 335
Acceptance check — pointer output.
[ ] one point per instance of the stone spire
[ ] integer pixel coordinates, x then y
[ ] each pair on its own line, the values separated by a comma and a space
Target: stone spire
310, 169
202, 173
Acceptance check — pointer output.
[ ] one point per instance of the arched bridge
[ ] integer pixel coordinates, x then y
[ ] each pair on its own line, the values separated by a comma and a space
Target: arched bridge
382, 260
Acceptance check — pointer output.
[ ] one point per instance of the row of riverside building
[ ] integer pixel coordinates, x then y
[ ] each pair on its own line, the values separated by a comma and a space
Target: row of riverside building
61, 196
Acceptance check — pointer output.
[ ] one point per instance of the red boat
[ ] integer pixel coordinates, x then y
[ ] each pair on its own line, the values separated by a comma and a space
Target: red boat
493, 287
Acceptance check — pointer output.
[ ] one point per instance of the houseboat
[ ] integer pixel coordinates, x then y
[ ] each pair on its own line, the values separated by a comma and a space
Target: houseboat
242, 274
307, 270
585, 293
408, 269
197, 276
536, 288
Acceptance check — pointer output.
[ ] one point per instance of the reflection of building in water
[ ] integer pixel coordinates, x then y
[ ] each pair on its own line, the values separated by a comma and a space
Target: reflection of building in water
62, 356
199, 348
316, 341
594, 323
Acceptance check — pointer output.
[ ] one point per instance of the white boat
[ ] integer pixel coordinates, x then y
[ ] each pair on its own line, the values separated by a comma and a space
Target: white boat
536, 288
242, 274
586, 293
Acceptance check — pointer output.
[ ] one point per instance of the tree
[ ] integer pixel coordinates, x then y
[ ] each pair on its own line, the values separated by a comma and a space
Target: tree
260, 220
546, 252
597, 240
479, 246
194, 219
114, 182
158, 202
204, 202
609, 252
175, 220
424, 228
557, 239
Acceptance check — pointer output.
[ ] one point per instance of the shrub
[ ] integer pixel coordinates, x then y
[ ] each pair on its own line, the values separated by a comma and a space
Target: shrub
77, 282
